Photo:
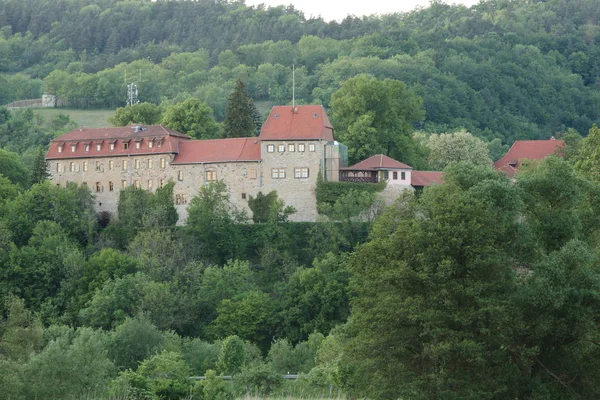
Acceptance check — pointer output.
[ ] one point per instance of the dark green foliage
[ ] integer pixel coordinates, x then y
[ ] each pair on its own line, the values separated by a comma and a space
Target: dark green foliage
241, 114
212, 225
40, 168
261, 206
12, 168
330, 192
140, 208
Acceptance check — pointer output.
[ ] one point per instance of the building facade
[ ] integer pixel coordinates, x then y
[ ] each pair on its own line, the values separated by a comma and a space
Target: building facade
295, 145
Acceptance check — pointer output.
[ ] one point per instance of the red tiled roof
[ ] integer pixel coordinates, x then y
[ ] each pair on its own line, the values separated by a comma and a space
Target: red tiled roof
425, 178
526, 150
305, 123
158, 134
218, 150
378, 161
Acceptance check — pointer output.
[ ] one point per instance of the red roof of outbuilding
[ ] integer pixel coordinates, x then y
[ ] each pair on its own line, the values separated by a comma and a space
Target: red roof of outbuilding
218, 150
167, 138
378, 161
526, 150
307, 122
425, 178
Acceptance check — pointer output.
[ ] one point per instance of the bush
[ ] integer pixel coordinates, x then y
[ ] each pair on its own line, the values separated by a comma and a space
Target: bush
257, 379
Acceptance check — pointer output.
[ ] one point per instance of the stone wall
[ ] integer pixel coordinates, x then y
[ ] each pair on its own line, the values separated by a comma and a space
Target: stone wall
296, 189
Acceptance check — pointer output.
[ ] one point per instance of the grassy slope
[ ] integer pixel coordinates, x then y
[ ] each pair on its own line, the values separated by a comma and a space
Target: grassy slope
87, 118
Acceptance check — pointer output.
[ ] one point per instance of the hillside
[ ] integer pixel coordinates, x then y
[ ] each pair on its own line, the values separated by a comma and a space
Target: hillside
505, 69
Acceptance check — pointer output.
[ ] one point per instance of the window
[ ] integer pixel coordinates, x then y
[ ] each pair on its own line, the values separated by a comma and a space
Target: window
403, 175
60, 148
125, 165
278, 173
281, 148
301, 147
394, 175
138, 145
59, 167
111, 186
162, 163
150, 143
98, 146
159, 143
98, 187
149, 184
161, 183
111, 165
98, 166
312, 147
211, 176
123, 184
73, 147
112, 146
270, 148
136, 184
243, 196
85, 166
125, 145
300, 172
180, 199
252, 173
86, 148
291, 147
149, 164
386, 175
180, 175
136, 164
71, 167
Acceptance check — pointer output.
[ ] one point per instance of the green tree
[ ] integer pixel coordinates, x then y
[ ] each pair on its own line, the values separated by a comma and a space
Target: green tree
212, 225
168, 374
261, 205
21, 331
231, 356
193, 118
141, 113
446, 148
587, 161
40, 168
436, 274
375, 116
70, 369
13, 168
240, 114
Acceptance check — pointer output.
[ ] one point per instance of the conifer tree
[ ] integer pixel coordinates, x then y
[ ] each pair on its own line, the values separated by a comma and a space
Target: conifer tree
40, 168
239, 117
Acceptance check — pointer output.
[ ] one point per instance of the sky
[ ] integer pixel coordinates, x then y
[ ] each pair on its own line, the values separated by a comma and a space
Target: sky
338, 9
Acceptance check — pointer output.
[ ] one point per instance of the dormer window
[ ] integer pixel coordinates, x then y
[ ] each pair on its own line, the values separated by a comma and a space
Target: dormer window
125, 145
112, 145
160, 142
150, 143
73, 148
98, 146
60, 148
138, 145
86, 148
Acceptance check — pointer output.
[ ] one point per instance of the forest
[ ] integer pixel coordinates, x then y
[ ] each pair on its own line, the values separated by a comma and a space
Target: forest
480, 287
501, 69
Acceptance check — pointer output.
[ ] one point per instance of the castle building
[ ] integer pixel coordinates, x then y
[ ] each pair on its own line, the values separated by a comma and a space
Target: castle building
295, 145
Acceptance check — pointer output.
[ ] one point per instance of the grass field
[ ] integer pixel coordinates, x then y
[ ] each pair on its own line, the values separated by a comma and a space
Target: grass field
87, 118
